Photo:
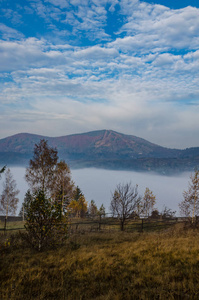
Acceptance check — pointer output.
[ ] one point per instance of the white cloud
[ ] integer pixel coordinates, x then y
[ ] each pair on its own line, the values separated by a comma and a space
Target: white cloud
166, 59
9, 33
96, 53
88, 19
60, 3
16, 55
153, 26
136, 81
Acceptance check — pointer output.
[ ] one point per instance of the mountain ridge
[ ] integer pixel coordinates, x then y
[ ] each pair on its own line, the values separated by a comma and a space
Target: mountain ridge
101, 148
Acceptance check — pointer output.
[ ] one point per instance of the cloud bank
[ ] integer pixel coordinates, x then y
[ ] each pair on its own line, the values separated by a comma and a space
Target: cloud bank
75, 66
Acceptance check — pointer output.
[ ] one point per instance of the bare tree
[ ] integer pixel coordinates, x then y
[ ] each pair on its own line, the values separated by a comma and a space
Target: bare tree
9, 200
41, 170
189, 207
124, 202
167, 213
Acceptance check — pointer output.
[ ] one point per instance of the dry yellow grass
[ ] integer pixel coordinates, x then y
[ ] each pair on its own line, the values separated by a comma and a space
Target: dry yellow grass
106, 266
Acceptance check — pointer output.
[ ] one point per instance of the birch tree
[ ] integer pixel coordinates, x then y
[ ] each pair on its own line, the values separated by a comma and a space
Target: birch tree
9, 200
148, 202
41, 170
63, 186
189, 207
92, 209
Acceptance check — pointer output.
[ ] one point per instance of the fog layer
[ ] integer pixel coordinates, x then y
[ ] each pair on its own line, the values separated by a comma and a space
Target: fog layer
98, 184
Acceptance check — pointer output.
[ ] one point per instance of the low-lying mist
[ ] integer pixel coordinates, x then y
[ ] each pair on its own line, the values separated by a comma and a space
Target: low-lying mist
98, 184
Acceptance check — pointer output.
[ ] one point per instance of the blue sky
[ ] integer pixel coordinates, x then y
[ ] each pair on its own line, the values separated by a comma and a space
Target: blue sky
71, 66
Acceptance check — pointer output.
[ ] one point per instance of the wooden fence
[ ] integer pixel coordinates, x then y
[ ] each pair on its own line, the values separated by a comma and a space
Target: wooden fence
106, 224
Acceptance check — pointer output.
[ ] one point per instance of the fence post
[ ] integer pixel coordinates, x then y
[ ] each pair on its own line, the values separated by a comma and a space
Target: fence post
142, 225
100, 218
5, 224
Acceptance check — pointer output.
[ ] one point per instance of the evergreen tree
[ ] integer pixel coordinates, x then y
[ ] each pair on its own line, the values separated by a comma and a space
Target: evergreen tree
78, 205
46, 225
77, 194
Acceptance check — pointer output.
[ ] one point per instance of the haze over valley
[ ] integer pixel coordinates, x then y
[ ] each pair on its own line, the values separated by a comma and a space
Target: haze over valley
99, 184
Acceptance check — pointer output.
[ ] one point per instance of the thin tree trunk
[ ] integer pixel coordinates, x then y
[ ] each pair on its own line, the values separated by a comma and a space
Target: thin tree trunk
194, 207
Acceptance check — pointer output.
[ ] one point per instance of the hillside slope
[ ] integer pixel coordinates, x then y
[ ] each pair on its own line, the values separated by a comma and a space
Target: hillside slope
103, 148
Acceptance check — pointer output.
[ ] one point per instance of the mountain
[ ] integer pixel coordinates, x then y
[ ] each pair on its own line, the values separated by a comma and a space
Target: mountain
103, 148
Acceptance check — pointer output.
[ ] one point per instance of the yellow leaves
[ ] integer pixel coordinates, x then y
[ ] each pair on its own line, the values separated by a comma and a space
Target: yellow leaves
149, 201
73, 205
78, 207
7, 243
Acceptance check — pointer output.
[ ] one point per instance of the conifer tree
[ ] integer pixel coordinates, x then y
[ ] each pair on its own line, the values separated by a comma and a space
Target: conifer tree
46, 225
78, 205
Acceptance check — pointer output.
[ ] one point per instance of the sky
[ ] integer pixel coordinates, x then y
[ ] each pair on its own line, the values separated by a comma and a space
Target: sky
72, 66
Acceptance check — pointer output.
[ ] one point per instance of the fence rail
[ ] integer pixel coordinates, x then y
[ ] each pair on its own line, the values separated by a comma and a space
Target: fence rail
106, 224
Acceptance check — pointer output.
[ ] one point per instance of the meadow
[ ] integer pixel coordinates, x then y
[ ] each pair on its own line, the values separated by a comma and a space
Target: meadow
106, 264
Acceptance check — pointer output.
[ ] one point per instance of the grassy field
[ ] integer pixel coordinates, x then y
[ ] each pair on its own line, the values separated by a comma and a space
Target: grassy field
12, 225
104, 265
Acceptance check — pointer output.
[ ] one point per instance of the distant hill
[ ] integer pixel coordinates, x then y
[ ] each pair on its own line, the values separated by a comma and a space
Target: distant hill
102, 149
